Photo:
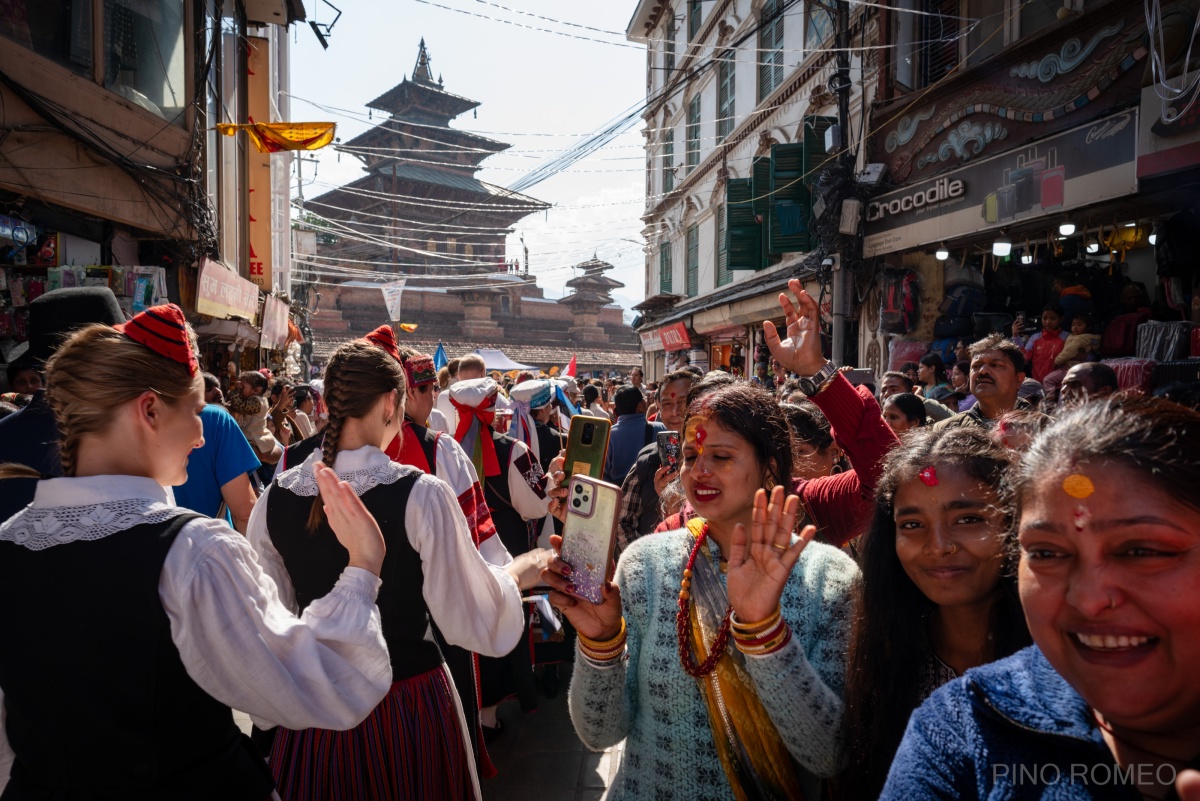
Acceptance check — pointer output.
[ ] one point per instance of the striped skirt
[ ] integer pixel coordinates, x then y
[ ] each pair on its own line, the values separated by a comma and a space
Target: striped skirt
411, 746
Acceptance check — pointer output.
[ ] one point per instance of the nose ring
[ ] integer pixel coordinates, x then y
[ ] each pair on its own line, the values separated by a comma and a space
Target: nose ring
1112, 602
954, 548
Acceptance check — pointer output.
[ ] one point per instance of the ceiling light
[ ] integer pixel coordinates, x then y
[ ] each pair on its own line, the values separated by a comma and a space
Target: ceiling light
1130, 225
942, 253
1154, 235
1066, 228
1093, 247
1002, 246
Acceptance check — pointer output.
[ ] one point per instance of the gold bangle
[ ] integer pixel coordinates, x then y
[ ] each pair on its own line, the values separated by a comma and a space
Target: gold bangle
776, 643
607, 645
606, 656
760, 626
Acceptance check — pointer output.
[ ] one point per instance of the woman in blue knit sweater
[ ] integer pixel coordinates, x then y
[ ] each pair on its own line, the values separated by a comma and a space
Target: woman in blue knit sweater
1105, 704
718, 651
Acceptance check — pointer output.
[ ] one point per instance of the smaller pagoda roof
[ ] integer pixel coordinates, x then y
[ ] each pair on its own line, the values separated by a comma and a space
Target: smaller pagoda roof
594, 265
597, 281
422, 93
586, 299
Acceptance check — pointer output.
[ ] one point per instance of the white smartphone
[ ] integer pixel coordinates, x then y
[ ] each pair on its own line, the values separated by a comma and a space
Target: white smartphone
590, 534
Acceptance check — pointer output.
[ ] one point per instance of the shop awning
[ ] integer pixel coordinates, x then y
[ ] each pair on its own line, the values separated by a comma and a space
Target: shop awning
235, 331
496, 360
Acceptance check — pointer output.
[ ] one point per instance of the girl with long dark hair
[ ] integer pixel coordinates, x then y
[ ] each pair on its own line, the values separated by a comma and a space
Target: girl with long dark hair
937, 594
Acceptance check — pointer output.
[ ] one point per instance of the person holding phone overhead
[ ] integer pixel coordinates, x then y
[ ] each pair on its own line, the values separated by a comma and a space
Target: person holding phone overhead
717, 658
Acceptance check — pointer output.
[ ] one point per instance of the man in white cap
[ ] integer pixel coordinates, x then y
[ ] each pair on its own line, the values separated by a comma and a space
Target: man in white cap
514, 488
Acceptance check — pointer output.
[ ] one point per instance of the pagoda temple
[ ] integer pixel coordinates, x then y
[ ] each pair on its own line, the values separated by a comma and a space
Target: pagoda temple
590, 296
419, 200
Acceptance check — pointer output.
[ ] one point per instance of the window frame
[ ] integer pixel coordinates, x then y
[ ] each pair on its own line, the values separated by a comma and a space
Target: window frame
664, 268
770, 50
692, 241
691, 156
723, 274
726, 94
668, 161
695, 18
669, 36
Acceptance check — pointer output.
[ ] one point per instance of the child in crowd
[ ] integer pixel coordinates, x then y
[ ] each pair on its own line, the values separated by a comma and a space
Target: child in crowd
1043, 347
1081, 343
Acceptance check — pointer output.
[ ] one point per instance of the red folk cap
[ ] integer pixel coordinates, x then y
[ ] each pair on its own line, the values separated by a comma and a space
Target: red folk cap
384, 337
163, 330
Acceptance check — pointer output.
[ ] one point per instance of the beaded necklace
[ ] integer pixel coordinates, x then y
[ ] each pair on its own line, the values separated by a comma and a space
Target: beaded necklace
683, 621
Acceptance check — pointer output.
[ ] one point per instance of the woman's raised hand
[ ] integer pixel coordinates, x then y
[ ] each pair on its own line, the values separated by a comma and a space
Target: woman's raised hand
801, 351
761, 560
354, 526
595, 621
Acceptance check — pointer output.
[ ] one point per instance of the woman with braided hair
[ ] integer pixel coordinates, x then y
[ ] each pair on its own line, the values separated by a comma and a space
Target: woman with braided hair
415, 744
150, 621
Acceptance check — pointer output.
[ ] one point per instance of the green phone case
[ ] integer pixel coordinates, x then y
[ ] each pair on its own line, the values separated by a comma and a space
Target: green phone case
587, 458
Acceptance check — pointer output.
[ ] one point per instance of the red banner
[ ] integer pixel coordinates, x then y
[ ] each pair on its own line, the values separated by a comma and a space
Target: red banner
675, 337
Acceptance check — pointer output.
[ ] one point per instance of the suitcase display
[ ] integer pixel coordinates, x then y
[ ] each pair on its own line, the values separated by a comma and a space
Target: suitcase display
1164, 342
1184, 370
1133, 373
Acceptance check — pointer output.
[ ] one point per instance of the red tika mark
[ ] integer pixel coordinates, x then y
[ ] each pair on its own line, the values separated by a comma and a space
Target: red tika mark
928, 476
1081, 517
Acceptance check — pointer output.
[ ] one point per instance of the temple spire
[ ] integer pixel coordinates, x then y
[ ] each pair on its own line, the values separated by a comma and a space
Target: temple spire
422, 73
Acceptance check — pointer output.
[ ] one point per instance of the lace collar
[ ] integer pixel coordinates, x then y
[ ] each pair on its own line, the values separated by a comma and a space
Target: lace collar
66, 510
364, 468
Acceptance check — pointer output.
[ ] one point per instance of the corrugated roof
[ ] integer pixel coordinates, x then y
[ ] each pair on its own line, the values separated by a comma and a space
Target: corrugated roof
601, 355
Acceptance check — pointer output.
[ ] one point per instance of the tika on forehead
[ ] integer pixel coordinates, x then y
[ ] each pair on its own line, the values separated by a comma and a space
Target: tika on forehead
1078, 486
696, 432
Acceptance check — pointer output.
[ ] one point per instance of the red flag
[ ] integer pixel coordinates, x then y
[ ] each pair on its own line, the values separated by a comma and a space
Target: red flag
570, 367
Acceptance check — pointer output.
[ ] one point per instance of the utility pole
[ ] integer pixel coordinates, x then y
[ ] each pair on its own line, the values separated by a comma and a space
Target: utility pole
842, 43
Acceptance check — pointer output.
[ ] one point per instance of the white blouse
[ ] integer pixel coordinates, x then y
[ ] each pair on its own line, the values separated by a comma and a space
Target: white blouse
238, 641
476, 605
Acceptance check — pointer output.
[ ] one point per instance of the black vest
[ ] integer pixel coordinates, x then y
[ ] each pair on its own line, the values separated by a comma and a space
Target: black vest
315, 561
511, 527
99, 703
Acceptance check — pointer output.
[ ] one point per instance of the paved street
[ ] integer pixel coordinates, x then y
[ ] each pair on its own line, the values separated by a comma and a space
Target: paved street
540, 757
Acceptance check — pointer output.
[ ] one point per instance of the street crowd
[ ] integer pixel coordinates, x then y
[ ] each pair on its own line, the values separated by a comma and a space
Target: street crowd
958, 586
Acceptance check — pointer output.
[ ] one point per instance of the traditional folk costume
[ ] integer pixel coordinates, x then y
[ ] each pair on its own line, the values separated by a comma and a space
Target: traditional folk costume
163, 619
438, 455
756, 727
513, 486
416, 743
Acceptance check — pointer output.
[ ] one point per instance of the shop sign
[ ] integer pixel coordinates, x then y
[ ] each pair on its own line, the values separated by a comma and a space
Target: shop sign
1166, 147
675, 337
275, 323
18, 232
223, 293
1079, 167
651, 341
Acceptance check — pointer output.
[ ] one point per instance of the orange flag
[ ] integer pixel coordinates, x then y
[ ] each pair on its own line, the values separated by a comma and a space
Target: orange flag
273, 137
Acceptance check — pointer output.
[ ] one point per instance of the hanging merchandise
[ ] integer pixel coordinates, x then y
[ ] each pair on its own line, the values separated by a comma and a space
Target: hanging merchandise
900, 301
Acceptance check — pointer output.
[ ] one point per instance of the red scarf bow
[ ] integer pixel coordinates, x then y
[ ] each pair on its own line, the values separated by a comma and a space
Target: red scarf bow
485, 416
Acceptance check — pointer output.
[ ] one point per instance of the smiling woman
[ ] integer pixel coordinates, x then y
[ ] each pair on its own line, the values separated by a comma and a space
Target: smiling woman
937, 595
1109, 531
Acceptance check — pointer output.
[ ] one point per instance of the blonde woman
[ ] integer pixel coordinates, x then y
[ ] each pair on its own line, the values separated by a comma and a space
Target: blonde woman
150, 621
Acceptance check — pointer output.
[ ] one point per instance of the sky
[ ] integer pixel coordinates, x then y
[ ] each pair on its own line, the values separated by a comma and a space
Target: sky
539, 91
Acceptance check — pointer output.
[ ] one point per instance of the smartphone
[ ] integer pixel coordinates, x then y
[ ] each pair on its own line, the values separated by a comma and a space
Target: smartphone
587, 445
860, 376
590, 534
1020, 318
668, 449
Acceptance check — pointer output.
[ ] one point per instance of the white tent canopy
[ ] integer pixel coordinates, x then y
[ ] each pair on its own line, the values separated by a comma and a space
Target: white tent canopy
494, 359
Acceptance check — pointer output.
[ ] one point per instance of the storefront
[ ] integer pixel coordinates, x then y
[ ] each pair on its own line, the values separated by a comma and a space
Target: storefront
227, 331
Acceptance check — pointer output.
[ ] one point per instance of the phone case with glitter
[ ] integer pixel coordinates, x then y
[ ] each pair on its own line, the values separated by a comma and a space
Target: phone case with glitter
590, 534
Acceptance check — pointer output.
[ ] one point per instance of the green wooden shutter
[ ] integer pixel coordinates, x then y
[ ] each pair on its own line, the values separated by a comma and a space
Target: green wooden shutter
725, 95
669, 48
791, 203
794, 167
668, 164
693, 261
743, 234
693, 19
763, 207
724, 276
692, 132
664, 268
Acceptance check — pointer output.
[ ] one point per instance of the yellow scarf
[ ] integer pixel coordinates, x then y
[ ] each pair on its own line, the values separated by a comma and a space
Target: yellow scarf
757, 763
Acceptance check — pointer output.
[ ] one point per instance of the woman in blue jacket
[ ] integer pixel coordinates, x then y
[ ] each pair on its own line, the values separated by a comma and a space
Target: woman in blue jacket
1105, 704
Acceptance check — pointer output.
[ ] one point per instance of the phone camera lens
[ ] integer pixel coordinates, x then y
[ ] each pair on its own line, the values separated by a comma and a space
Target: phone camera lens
578, 489
576, 503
